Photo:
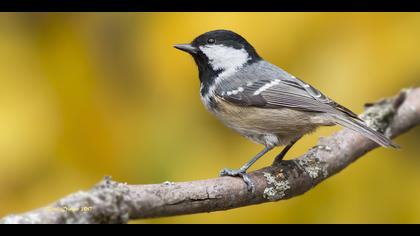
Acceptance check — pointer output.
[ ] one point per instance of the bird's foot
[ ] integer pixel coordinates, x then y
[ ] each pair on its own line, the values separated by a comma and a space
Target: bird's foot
239, 173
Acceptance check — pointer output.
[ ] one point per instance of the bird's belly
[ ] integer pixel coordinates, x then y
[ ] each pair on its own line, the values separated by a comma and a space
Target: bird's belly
270, 127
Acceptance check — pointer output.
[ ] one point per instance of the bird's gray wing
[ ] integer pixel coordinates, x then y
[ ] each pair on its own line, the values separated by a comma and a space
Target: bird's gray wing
283, 91
319, 96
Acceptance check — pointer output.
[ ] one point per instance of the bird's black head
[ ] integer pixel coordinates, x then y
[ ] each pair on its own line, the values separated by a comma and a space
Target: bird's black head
219, 53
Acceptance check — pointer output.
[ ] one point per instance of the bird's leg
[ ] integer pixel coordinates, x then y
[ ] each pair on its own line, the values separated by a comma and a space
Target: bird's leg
283, 152
242, 171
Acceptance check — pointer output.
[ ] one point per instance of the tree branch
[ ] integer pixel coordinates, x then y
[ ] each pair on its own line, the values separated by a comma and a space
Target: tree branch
113, 202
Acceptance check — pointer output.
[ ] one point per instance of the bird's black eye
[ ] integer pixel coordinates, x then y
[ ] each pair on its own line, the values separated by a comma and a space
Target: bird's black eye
211, 40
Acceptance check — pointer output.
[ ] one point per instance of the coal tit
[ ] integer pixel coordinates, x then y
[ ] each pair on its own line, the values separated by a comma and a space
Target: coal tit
260, 100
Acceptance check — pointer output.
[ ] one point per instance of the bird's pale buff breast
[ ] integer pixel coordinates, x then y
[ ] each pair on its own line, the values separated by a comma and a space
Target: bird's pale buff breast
270, 127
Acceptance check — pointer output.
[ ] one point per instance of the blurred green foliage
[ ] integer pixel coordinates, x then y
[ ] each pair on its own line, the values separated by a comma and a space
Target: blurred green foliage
85, 95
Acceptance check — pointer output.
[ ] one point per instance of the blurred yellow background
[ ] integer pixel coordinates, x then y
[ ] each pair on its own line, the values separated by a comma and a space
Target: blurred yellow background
84, 95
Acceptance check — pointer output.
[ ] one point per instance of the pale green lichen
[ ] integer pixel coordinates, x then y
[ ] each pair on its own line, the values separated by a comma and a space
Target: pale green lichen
379, 116
277, 189
312, 164
313, 167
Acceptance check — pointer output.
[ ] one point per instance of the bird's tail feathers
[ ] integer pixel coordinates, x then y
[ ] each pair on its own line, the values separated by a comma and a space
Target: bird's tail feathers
362, 128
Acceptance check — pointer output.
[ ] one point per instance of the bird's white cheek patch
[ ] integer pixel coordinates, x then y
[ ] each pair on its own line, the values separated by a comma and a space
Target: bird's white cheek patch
225, 58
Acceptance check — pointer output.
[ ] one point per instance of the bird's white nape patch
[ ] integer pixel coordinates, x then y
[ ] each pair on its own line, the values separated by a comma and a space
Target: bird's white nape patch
227, 59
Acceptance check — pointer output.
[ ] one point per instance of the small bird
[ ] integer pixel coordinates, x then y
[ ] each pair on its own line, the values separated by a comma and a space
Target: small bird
262, 101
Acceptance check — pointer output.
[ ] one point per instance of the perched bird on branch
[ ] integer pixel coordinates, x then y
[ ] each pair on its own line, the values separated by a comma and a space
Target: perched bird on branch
262, 101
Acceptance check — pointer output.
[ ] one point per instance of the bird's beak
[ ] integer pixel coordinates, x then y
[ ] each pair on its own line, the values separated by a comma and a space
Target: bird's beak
186, 48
